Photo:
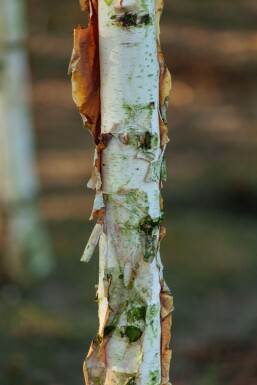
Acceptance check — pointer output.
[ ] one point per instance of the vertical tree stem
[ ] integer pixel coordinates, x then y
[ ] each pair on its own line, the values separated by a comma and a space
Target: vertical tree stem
132, 345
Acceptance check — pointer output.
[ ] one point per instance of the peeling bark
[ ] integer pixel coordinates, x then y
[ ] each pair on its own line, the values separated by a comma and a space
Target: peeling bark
165, 78
85, 70
135, 305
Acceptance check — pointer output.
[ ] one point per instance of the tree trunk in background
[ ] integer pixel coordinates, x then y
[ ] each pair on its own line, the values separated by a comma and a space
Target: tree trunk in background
28, 254
131, 90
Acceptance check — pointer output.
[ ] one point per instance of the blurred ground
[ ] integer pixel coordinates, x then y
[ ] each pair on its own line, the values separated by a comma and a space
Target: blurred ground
210, 250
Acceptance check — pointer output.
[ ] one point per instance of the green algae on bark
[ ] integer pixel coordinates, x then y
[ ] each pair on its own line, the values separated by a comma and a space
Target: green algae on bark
148, 224
150, 228
109, 329
136, 314
149, 141
132, 20
133, 333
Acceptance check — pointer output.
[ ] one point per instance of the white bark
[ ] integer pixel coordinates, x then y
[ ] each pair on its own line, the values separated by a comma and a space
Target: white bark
26, 235
130, 100
132, 346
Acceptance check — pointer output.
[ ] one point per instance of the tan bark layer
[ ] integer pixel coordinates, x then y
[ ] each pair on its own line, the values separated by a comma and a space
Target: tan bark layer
85, 70
165, 78
166, 322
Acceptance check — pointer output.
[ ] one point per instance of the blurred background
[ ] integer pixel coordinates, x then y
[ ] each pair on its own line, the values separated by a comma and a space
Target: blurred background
210, 200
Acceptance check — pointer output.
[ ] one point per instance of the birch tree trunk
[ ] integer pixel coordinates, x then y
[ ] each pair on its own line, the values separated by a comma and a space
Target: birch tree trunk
28, 255
124, 106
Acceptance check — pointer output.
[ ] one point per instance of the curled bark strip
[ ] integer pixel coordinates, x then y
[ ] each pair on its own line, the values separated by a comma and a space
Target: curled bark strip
95, 181
85, 70
94, 366
92, 243
166, 322
162, 232
84, 5
99, 205
165, 77
107, 281
155, 172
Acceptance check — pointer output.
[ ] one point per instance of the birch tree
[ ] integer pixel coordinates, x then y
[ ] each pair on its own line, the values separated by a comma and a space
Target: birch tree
28, 254
121, 85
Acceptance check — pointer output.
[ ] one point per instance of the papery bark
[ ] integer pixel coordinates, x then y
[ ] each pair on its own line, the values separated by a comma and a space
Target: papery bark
135, 305
85, 70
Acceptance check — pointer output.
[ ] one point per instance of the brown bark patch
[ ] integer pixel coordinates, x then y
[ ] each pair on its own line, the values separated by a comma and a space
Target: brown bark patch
94, 367
84, 5
85, 70
166, 322
165, 78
